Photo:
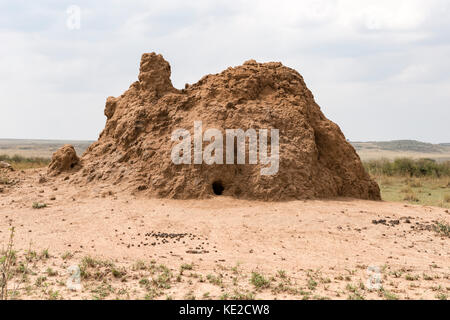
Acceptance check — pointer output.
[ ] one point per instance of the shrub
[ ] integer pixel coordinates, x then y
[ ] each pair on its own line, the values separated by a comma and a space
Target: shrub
408, 167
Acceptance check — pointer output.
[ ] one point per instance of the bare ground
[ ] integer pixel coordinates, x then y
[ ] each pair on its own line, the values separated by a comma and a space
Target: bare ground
129, 247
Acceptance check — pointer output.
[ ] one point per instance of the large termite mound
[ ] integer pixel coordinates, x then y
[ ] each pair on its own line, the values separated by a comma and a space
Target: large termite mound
134, 149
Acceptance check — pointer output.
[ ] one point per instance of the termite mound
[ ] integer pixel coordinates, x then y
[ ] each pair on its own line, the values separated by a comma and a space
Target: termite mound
134, 149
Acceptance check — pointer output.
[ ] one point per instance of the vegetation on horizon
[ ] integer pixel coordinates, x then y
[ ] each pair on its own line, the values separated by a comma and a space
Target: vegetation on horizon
406, 167
423, 182
20, 162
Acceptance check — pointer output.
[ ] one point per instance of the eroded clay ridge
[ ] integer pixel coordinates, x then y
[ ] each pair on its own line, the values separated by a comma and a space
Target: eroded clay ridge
134, 149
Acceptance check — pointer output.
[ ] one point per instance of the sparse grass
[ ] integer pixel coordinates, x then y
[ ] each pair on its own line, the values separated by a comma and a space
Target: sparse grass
37, 205
31, 255
389, 295
286, 288
224, 296
54, 295
282, 274
67, 255
355, 293
51, 273
163, 280
190, 296
441, 296
410, 277
186, 267
45, 254
312, 284
442, 228
242, 296
117, 273
447, 198
416, 183
102, 291
411, 196
139, 265
235, 269
427, 277
95, 268
259, 281
216, 280
355, 296
5, 181
93, 263
206, 295
45, 278
406, 190
7, 260
20, 163
433, 191
40, 281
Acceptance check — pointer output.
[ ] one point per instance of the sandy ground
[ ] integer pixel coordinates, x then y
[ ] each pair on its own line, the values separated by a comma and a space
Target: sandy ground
171, 249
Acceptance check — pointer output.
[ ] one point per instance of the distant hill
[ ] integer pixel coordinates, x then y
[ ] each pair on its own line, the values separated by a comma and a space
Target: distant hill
402, 148
39, 148
403, 145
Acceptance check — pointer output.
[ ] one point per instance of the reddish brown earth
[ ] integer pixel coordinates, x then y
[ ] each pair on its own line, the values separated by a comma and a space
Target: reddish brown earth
134, 149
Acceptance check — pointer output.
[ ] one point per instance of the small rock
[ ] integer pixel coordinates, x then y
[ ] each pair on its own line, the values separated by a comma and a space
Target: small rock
6, 165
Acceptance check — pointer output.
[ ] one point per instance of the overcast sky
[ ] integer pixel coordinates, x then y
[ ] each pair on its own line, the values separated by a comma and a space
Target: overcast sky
380, 69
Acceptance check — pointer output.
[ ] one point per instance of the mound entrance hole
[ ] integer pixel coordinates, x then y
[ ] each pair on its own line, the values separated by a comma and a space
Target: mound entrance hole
218, 188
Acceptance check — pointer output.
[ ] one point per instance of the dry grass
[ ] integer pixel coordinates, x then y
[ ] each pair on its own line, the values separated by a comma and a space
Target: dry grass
447, 198
411, 196
425, 190
22, 163
7, 260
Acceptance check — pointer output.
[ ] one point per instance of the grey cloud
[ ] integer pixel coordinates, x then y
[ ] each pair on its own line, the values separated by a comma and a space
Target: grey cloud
380, 74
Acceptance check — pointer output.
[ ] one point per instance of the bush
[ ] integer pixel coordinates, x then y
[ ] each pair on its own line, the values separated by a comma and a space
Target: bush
408, 167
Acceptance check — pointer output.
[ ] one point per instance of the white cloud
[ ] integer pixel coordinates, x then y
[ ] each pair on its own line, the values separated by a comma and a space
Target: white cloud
384, 15
358, 57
